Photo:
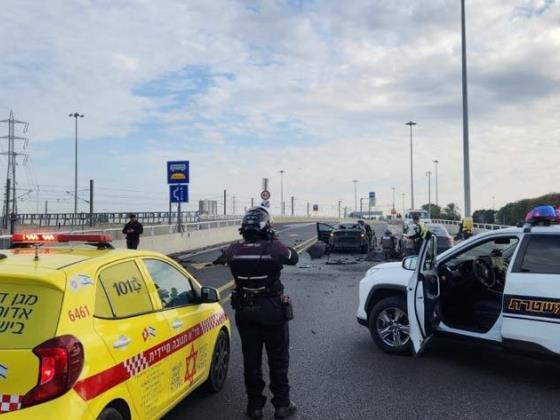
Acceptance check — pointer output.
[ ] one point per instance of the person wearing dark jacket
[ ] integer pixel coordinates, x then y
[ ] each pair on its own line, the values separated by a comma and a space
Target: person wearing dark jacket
133, 229
262, 311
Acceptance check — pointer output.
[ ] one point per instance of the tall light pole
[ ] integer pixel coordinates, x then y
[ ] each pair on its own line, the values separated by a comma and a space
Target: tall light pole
410, 124
493, 203
282, 192
403, 205
355, 194
437, 188
76, 115
429, 175
393, 188
466, 163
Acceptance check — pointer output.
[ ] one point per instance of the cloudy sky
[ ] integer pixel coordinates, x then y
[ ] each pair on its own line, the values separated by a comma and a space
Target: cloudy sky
318, 88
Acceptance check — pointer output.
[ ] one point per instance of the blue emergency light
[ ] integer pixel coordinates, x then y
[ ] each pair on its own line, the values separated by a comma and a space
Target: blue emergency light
543, 215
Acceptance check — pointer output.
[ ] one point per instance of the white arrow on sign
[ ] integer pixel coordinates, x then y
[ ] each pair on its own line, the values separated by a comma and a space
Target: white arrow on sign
177, 193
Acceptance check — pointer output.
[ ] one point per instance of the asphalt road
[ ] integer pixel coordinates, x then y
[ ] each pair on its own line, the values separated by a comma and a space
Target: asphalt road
337, 372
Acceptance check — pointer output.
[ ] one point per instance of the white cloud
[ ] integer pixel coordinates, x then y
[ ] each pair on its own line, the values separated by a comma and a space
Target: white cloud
340, 78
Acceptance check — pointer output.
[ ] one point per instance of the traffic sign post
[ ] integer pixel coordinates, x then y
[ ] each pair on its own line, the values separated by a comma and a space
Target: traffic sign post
178, 172
372, 199
265, 195
178, 177
179, 194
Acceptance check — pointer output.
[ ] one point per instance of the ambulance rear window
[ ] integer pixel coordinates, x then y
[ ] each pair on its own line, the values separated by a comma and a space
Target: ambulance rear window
28, 314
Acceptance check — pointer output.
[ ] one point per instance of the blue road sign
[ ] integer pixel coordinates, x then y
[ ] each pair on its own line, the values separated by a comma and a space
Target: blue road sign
178, 172
178, 193
372, 198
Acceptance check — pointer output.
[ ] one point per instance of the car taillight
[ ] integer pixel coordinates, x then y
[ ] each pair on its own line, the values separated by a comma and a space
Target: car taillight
61, 360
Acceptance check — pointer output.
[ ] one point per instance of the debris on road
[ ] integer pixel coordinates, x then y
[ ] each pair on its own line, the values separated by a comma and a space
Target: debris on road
317, 250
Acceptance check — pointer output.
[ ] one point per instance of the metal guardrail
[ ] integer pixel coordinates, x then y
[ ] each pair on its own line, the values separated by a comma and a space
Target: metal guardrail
116, 233
86, 219
480, 226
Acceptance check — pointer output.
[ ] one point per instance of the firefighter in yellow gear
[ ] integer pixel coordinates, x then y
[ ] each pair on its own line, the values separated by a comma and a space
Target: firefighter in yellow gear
417, 232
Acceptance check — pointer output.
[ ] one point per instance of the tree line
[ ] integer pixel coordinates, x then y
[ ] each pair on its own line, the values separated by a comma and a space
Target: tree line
510, 214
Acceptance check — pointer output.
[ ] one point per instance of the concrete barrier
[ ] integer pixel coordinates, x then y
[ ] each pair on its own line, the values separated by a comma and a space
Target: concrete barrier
168, 243
186, 241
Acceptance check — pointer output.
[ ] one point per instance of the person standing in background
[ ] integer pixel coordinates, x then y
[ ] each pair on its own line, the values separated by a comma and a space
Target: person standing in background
133, 229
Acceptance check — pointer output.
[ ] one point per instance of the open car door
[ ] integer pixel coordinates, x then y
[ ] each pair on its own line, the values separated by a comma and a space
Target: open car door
324, 232
422, 296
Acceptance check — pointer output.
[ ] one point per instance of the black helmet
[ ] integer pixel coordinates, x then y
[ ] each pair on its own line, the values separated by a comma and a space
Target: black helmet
255, 221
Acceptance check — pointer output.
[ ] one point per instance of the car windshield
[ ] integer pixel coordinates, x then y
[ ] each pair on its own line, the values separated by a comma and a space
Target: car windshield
348, 226
438, 230
504, 247
420, 214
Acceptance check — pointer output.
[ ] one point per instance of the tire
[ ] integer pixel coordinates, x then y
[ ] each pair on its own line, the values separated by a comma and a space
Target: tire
220, 363
110, 413
389, 326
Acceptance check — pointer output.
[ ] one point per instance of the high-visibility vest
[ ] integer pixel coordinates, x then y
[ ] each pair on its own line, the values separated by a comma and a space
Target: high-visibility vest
423, 230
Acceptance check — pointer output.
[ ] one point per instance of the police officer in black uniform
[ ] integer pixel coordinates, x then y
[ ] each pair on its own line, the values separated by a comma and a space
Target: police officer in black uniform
262, 311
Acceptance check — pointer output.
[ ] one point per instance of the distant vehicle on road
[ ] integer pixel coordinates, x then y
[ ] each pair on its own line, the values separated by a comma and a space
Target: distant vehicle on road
500, 287
368, 215
424, 216
346, 236
444, 239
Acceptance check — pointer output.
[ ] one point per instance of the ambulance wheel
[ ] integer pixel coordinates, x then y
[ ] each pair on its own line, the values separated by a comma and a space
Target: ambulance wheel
110, 413
389, 326
220, 364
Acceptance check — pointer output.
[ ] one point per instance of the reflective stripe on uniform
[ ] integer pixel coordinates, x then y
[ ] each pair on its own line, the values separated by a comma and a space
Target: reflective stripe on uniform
252, 257
252, 278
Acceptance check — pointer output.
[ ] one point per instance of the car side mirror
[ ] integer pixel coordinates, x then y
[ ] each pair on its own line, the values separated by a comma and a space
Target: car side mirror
409, 263
209, 295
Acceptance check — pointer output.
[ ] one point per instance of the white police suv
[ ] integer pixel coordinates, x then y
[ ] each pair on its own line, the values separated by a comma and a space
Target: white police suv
501, 286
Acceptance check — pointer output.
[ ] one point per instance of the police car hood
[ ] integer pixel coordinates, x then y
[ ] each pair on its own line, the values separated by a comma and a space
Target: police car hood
396, 264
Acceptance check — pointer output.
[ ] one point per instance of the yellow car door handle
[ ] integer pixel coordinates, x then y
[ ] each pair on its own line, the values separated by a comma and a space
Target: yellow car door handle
177, 324
121, 342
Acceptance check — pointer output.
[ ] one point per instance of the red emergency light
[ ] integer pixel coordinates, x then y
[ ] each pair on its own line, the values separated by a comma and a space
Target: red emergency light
34, 238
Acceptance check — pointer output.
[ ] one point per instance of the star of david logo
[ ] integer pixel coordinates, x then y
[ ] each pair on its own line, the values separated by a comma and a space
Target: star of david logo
191, 366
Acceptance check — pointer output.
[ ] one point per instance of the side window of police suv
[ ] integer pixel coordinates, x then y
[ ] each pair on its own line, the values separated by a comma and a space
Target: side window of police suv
542, 255
122, 292
174, 288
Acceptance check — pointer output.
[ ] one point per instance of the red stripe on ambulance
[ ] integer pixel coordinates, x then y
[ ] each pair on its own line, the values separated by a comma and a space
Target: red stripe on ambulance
97, 384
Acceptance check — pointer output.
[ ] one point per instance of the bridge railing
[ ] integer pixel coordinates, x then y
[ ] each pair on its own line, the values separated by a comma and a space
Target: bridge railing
69, 220
479, 226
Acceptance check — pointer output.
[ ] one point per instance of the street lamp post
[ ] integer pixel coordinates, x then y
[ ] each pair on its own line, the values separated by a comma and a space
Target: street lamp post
282, 192
403, 205
393, 188
437, 187
76, 115
429, 175
355, 194
410, 124
466, 162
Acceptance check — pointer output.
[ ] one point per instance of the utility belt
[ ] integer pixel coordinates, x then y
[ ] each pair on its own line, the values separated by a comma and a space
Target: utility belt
261, 305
